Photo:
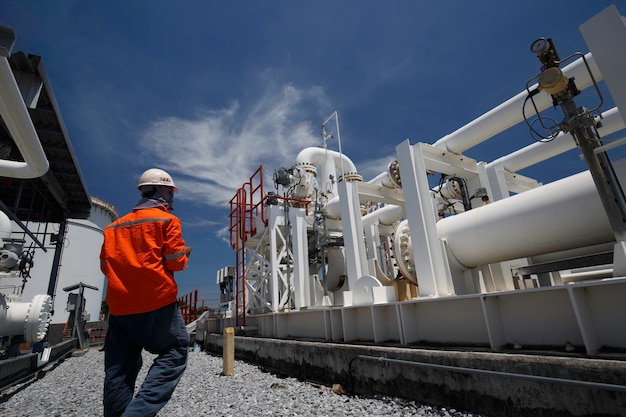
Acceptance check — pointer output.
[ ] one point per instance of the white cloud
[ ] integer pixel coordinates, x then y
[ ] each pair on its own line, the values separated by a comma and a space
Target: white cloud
215, 152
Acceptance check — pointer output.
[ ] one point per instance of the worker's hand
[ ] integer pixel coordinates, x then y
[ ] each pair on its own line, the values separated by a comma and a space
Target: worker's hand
187, 250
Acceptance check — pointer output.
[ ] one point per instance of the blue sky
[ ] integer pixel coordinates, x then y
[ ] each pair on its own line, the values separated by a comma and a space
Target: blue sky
210, 90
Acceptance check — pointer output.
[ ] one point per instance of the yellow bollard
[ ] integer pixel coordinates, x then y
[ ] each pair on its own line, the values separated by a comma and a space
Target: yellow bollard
228, 352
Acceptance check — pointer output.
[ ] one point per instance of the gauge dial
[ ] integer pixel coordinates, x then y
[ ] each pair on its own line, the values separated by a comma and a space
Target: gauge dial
540, 46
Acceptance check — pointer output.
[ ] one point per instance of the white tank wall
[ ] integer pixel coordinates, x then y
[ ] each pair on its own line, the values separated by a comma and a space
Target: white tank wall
80, 263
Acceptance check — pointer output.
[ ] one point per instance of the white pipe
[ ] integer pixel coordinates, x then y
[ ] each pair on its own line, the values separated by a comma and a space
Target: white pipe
386, 215
317, 156
329, 162
28, 319
5, 227
17, 120
509, 113
562, 215
384, 179
537, 152
575, 276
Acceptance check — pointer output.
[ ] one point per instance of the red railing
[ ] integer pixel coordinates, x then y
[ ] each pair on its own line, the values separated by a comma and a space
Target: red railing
246, 206
243, 214
188, 304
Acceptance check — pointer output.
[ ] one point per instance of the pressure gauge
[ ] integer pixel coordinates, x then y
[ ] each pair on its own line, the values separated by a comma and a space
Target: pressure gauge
540, 46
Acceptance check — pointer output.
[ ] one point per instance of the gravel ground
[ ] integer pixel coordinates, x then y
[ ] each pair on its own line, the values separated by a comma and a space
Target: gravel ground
74, 389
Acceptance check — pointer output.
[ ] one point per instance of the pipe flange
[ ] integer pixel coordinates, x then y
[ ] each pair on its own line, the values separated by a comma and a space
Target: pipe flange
351, 177
394, 173
307, 167
38, 319
403, 251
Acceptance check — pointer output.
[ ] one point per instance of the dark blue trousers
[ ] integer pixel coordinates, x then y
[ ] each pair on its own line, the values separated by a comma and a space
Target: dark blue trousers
160, 332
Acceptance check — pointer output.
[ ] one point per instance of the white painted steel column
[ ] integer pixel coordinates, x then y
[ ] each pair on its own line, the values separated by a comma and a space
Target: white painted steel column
433, 274
352, 232
492, 177
300, 251
276, 219
386, 215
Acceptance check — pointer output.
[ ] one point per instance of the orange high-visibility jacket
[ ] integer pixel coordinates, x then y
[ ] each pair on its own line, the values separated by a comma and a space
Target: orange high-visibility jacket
140, 253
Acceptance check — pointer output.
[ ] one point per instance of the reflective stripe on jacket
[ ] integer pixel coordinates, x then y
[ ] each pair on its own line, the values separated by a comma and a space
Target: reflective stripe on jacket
140, 253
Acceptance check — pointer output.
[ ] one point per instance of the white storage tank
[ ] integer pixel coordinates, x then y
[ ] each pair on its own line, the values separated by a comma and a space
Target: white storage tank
80, 262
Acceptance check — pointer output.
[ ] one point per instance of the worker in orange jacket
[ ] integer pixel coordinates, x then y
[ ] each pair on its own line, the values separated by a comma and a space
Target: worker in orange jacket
140, 253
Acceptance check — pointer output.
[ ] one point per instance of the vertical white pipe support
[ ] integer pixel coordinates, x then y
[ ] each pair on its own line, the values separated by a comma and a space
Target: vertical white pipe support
300, 251
5, 227
510, 113
276, 219
328, 176
18, 122
431, 266
493, 178
352, 232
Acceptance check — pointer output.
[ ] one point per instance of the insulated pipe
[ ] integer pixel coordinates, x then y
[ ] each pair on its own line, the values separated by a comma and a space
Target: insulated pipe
509, 113
537, 152
18, 121
565, 214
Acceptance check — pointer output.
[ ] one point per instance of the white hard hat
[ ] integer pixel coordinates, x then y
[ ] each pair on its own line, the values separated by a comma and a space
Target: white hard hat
156, 176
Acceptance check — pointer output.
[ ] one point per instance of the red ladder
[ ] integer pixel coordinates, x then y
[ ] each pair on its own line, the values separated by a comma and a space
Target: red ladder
245, 207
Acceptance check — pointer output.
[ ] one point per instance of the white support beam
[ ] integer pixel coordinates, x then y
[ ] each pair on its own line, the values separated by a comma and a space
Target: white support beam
431, 267
352, 232
300, 248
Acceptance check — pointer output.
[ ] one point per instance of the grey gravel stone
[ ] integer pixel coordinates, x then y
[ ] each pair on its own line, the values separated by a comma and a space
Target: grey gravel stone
74, 389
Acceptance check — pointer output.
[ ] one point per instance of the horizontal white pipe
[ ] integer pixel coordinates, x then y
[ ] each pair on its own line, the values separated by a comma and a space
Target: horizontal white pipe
386, 215
562, 215
541, 151
333, 208
568, 277
509, 113
573, 253
17, 120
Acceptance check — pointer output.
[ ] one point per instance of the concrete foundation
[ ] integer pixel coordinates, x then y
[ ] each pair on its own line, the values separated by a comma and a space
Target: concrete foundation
497, 384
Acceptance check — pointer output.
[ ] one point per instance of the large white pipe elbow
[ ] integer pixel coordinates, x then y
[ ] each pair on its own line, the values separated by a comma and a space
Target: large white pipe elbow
19, 124
319, 156
510, 113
